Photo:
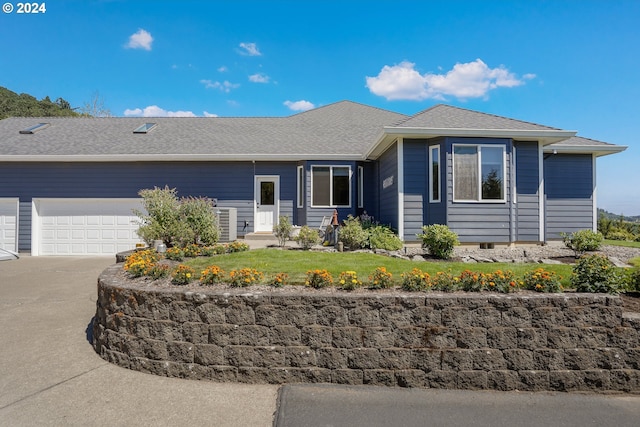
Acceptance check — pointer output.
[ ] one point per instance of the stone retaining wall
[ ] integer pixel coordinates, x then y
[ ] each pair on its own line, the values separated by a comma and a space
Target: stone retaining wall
570, 342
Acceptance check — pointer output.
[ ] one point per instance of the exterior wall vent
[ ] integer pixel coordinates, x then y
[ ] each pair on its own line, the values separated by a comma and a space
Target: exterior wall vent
145, 128
35, 128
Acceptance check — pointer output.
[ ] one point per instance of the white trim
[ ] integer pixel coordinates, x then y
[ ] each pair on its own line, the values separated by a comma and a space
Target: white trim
594, 195
300, 193
276, 198
331, 167
479, 152
597, 150
360, 179
400, 152
16, 203
433, 148
541, 195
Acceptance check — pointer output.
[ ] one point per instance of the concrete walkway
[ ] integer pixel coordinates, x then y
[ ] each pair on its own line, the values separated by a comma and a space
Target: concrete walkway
50, 376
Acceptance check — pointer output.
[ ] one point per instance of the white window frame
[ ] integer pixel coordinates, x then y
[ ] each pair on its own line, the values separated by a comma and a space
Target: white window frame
360, 187
300, 187
434, 154
479, 189
331, 168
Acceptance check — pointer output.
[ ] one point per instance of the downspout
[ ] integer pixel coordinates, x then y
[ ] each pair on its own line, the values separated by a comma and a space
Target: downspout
400, 153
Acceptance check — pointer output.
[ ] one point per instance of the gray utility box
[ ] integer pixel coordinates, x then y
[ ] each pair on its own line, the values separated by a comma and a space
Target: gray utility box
228, 223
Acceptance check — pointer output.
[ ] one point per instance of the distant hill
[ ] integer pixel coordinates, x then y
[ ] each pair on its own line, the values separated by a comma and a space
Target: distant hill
612, 216
25, 105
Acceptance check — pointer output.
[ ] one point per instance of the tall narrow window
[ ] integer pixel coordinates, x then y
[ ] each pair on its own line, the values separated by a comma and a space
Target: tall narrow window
434, 174
360, 187
330, 186
479, 172
301, 186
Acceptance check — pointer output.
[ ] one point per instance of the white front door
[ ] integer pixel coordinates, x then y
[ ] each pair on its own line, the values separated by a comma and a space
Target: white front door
267, 198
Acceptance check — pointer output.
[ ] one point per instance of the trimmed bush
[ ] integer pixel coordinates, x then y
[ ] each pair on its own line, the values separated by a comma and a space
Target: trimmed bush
352, 234
307, 237
381, 237
439, 240
582, 241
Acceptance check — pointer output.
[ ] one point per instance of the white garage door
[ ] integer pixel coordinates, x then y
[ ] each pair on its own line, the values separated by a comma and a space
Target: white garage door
8, 224
84, 226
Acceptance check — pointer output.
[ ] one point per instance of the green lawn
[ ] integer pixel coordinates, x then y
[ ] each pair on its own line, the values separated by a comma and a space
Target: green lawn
624, 243
297, 263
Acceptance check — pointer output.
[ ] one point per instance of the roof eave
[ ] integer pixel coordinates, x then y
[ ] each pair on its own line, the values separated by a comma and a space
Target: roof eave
391, 133
597, 150
177, 157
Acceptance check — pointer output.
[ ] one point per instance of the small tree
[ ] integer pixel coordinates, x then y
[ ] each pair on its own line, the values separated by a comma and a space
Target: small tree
198, 213
282, 230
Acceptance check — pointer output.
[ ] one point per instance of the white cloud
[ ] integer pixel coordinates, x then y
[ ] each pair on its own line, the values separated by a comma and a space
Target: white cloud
250, 49
208, 114
140, 40
301, 105
223, 69
468, 80
225, 86
259, 78
155, 111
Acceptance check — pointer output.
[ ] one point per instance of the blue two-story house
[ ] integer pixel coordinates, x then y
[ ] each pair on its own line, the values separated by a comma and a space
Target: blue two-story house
68, 185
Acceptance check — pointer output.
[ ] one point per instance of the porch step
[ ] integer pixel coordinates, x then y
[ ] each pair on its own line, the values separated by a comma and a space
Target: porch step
260, 236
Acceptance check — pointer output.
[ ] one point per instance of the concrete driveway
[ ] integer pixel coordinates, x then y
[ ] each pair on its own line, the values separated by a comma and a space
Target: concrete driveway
50, 376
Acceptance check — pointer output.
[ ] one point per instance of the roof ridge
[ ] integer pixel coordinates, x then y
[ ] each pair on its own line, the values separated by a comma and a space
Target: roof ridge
497, 116
346, 101
417, 114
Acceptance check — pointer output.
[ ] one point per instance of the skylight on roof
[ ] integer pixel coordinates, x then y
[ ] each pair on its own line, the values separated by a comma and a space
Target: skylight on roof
145, 128
35, 128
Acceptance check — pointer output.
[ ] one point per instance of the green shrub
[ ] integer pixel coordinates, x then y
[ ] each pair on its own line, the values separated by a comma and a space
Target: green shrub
439, 240
282, 230
199, 215
381, 237
620, 235
595, 273
633, 279
582, 241
541, 280
352, 234
307, 237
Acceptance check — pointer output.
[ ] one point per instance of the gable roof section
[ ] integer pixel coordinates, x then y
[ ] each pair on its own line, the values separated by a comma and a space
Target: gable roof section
342, 130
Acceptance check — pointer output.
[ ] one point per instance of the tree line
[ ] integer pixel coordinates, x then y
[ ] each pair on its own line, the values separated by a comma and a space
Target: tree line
25, 105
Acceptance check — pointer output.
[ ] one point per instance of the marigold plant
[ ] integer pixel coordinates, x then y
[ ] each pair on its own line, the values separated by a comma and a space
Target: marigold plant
381, 279
182, 275
174, 254
140, 263
472, 281
444, 282
192, 250
211, 275
349, 281
279, 280
245, 277
541, 280
501, 281
415, 280
237, 246
318, 279
595, 273
158, 271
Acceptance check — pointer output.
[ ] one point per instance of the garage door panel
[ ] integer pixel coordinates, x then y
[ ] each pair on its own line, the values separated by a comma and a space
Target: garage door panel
87, 227
8, 223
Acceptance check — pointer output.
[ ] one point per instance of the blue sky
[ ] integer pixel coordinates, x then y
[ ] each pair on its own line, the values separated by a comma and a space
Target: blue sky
568, 64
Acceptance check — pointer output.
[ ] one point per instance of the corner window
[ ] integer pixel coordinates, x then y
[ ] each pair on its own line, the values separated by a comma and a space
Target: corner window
300, 186
330, 186
478, 173
434, 174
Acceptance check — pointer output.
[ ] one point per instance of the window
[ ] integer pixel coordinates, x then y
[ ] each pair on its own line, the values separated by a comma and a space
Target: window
434, 174
330, 186
478, 173
145, 128
301, 186
360, 187
35, 128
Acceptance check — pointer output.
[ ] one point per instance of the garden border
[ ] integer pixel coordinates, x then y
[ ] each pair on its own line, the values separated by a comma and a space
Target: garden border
532, 342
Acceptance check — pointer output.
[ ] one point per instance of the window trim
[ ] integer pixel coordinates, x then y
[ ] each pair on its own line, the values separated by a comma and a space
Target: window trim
331, 167
300, 187
432, 157
360, 187
479, 189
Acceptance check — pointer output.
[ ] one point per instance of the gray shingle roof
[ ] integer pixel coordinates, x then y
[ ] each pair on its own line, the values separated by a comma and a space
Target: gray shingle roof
447, 117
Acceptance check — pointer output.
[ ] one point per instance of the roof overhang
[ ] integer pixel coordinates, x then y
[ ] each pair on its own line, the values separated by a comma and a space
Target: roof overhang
390, 133
64, 158
597, 150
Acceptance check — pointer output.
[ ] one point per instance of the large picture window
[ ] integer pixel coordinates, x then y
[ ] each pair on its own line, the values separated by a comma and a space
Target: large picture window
478, 173
330, 186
